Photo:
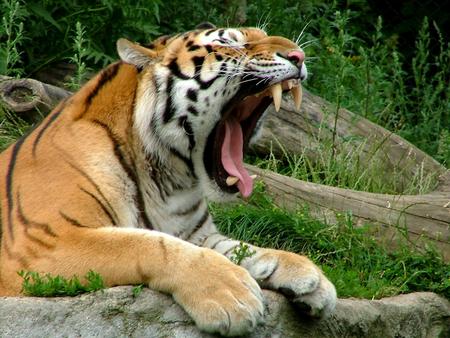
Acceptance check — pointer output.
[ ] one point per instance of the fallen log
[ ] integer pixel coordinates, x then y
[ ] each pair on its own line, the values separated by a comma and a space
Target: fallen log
29, 95
420, 219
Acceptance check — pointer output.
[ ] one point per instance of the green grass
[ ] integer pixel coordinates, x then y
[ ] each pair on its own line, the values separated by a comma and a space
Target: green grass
345, 169
350, 256
56, 286
12, 127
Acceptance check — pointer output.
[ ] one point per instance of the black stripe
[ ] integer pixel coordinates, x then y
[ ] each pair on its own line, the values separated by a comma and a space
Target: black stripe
209, 49
169, 109
129, 169
209, 32
155, 176
192, 110
105, 76
192, 94
217, 243
29, 223
198, 63
187, 127
22, 261
9, 181
199, 225
193, 48
49, 122
175, 70
230, 250
190, 210
72, 220
102, 206
95, 185
185, 159
221, 32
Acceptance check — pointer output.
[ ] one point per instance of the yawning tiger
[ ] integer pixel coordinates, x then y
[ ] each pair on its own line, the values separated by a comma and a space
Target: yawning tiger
116, 178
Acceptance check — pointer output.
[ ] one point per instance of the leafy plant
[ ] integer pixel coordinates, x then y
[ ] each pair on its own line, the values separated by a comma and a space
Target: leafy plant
137, 289
241, 252
57, 286
12, 127
12, 37
81, 52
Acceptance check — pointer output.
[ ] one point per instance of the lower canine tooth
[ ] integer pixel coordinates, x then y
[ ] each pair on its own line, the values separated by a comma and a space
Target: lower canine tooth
297, 95
253, 176
232, 180
276, 94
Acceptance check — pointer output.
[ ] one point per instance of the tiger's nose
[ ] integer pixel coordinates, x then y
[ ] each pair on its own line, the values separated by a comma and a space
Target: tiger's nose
296, 56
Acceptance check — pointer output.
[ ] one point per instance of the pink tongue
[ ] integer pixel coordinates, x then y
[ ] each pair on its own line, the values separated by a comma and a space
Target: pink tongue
232, 153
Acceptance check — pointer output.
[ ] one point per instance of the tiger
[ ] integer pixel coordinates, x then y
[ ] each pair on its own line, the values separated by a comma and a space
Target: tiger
117, 178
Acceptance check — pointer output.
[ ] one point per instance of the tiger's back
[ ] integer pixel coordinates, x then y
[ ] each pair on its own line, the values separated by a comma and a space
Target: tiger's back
53, 175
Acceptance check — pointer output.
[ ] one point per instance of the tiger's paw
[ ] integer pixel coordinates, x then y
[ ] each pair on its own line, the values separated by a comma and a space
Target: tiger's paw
221, 297
299, 279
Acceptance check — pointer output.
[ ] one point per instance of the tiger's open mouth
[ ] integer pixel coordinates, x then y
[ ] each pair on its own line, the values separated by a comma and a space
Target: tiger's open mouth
230, 138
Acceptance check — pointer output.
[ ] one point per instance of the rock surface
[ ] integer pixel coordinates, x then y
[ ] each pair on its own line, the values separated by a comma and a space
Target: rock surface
116, 312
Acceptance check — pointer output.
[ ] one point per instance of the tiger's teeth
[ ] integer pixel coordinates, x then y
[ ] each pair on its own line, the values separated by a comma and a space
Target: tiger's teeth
232, 180
290, 84
297, 95
276, 94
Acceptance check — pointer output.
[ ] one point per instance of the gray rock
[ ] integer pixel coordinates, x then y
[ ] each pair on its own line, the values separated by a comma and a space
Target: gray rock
116, 312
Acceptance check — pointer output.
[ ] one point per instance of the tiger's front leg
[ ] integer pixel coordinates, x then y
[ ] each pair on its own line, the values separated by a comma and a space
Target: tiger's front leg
218, 295
295, 276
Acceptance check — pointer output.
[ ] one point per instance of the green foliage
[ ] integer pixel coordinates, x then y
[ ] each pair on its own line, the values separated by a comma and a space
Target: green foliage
343, 168
103, 22
349, 255
12, 127
81, 52
241, 252
12, 37
370, 77
137, 289
56, 286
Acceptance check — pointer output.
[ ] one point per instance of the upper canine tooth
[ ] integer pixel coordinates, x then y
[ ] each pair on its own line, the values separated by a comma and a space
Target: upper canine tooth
290, 84
276, 94
232, 180
297, 95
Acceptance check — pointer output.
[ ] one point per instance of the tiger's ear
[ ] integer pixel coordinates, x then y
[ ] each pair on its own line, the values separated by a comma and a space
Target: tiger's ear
135, 54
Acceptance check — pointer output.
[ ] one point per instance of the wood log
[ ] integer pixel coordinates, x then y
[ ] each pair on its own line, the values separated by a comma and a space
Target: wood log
419, 218
27, 95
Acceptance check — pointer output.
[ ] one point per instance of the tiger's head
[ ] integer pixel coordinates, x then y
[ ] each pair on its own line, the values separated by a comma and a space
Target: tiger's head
202, 93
